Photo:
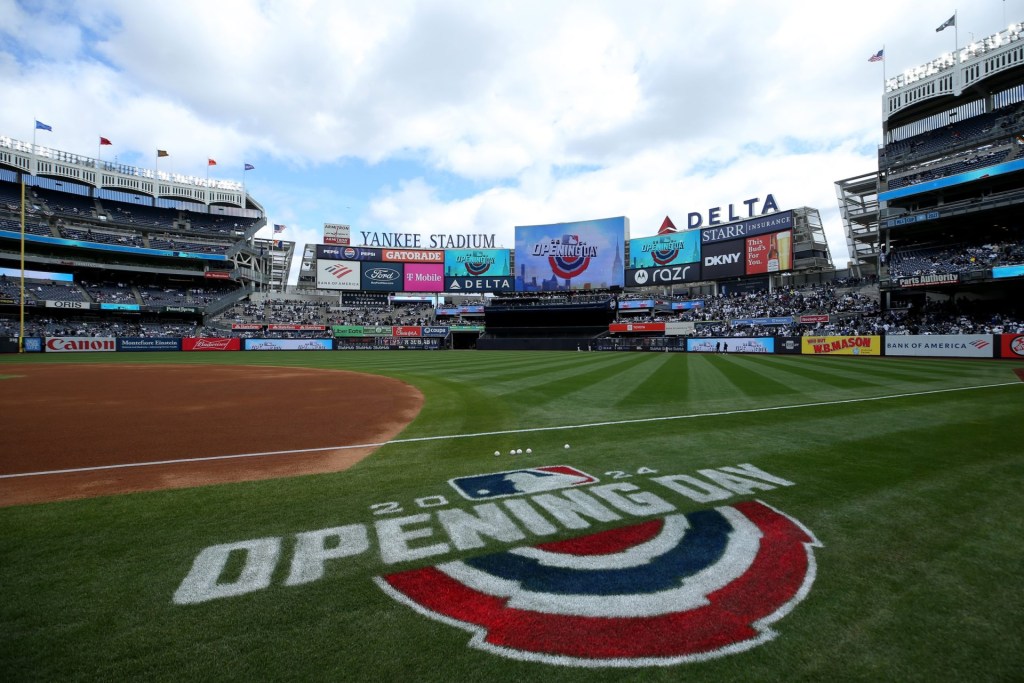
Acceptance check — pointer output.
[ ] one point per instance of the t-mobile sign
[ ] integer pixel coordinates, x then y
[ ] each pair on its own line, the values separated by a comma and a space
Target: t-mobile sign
424, 277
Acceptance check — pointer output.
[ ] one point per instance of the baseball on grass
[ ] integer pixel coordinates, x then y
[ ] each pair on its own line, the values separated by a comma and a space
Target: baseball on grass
529, 450
566, 446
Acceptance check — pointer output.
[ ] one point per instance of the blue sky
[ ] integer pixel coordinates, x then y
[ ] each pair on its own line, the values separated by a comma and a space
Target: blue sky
454, 116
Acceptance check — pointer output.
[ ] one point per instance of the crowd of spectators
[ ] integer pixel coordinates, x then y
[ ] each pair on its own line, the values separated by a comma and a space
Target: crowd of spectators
954, 258
842, 307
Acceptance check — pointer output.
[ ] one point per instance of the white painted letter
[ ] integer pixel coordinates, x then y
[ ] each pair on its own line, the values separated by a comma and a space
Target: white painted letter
201, 583
311, 551
394, 540
703, 493
465, 530
639, 504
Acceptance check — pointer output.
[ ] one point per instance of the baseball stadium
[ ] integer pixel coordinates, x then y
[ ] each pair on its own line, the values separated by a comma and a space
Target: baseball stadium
442, 460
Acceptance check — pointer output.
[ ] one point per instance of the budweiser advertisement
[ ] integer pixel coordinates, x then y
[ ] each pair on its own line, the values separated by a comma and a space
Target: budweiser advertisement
211, 344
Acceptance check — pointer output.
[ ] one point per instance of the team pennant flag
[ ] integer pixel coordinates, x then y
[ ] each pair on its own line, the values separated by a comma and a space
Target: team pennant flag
42, 126
104, 141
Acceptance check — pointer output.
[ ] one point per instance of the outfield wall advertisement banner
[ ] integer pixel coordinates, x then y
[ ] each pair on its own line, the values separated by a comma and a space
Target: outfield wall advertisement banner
477, 262
731, 345
337, 275
866, 345
148, 344
1011, 346
679, 328
787, 345
288, 344
571, 256
955, 345
362, 330
211, 344
670, 249
80, 344
636, 327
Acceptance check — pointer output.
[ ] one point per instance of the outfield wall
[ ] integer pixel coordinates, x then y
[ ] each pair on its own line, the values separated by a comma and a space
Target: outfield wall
920, 346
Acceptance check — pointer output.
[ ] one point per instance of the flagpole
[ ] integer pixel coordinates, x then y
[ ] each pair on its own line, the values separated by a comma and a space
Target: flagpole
956, 36
883, 69
21, 309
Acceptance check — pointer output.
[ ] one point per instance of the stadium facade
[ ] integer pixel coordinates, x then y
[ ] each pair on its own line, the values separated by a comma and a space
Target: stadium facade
940, 217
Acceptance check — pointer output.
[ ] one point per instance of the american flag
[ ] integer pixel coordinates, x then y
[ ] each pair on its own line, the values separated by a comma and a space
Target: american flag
279, 228
877, 57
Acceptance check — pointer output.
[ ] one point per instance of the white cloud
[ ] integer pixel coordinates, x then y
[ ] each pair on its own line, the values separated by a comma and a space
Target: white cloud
491, 115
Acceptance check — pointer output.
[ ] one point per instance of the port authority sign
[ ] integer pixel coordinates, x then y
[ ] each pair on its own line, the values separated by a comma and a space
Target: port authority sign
479, 284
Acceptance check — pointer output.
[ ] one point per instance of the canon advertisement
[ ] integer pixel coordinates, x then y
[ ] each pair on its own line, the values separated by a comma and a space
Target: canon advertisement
337, 275
953, 345
723, 259
80, 344
379, 276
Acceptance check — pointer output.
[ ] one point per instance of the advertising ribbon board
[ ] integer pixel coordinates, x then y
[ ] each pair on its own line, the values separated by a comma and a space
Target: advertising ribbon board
864, 345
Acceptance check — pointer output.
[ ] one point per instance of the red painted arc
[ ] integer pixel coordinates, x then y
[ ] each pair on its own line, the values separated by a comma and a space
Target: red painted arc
775, 577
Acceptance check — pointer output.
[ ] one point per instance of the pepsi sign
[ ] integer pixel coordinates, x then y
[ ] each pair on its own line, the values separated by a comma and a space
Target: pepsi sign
343, 253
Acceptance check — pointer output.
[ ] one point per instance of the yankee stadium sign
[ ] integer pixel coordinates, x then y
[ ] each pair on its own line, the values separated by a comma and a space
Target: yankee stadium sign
661, 587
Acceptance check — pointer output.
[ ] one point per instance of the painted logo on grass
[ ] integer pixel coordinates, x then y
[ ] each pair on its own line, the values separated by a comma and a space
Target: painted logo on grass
683, 588
515, 482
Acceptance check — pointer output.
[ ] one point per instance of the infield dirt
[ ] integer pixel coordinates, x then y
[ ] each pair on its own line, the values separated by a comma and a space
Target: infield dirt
119, 417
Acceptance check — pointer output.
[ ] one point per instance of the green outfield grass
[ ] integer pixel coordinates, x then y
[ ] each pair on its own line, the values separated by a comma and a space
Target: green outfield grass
909, 473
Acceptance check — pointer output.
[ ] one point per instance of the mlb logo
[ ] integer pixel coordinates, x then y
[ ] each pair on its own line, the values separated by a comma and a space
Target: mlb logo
518, 482
570, 239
